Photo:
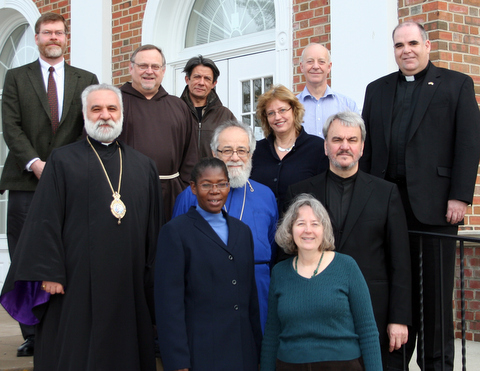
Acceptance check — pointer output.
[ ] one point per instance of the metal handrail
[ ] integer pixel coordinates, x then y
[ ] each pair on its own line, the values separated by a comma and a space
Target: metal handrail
442, 237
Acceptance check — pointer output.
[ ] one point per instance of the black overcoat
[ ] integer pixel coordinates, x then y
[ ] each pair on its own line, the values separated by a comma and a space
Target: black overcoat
205, 296
442, 148
104, 319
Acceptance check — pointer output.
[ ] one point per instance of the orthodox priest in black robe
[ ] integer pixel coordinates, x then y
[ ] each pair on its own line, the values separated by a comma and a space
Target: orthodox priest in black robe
83, 266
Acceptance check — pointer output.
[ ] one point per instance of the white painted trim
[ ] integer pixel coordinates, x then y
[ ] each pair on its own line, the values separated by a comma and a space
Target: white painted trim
165, 23
27, 8
283, 42
14, 13
91, 37
361, 44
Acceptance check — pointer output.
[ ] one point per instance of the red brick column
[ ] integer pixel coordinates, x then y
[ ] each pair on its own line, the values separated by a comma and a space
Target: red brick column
311, 23
127, 18
472, 294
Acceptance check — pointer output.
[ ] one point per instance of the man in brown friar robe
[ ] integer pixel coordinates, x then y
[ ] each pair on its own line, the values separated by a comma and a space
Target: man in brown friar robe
158, 124
83, 267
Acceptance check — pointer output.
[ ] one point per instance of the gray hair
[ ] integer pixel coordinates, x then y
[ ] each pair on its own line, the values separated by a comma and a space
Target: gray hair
149, 47
311, 44
347, 118
214, 143
284, 237
92, 88
423, 33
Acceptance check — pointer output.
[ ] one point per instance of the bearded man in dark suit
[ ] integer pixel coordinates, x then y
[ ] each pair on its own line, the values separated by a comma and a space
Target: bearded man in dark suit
33, 125
423, 133
369, 225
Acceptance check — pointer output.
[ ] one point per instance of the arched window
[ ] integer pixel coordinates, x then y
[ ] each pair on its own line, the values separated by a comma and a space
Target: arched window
17, 48
215, 20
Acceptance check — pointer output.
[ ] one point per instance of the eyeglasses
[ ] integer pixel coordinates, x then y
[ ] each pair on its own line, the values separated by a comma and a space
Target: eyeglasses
144, 66
281, 112
50, 33
241, 152
209, 186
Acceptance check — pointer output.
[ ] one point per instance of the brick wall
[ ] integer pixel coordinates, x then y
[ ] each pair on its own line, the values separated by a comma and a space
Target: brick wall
127, 18
472, 294
311, 23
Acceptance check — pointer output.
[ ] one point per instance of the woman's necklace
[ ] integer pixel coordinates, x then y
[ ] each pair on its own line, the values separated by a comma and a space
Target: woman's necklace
316, 269
117, 207
288, 149
281, 149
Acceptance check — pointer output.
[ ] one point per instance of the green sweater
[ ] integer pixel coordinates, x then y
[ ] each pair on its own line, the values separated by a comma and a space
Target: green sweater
326, 318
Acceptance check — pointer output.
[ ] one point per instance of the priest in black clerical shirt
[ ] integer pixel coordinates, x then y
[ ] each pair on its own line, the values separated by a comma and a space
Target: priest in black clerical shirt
83, 268
369, 225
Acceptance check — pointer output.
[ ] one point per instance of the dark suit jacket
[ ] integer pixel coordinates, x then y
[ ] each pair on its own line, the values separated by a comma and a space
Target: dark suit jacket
26, 120
205, 296
375, 235
443, 144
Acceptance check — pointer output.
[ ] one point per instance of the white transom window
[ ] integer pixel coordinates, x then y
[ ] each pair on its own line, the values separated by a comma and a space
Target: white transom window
215, 20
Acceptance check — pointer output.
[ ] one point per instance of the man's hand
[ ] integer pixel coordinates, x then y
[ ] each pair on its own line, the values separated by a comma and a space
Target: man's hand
52, 287
455, 211
37, 168
398, 335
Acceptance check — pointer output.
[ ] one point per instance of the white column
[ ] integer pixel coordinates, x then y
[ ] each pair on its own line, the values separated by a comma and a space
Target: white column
91, 37
362, 47
283, 43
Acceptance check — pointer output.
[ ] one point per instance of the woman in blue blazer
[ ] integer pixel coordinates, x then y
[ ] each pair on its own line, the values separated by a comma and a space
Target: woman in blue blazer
205, 294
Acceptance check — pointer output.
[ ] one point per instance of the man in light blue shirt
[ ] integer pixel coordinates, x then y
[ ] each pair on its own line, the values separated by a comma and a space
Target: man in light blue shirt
319, 100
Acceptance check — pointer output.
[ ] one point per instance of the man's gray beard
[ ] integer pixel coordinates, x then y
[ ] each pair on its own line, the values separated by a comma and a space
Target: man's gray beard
239, 177
336, 164
54, 52
102, 135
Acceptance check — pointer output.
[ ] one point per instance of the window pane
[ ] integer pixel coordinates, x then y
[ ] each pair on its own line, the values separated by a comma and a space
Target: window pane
18, 50
257, 90
246, 96
214, 20
267, 83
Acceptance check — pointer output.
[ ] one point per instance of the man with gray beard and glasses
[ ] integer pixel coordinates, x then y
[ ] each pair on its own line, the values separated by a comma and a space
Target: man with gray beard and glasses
83, 268
249, 201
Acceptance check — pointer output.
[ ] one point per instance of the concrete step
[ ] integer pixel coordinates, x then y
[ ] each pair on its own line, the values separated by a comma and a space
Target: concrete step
11, 339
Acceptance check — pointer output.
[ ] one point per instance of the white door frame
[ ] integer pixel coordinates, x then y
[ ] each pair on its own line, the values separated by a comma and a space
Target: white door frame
165, 24
13, 13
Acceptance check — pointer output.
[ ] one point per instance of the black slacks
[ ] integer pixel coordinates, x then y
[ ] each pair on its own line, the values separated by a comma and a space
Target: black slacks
353, 365
18, 205
434, 254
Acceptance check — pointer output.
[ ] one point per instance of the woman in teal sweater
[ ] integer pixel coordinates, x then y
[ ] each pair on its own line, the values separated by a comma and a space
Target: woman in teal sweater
319, 307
